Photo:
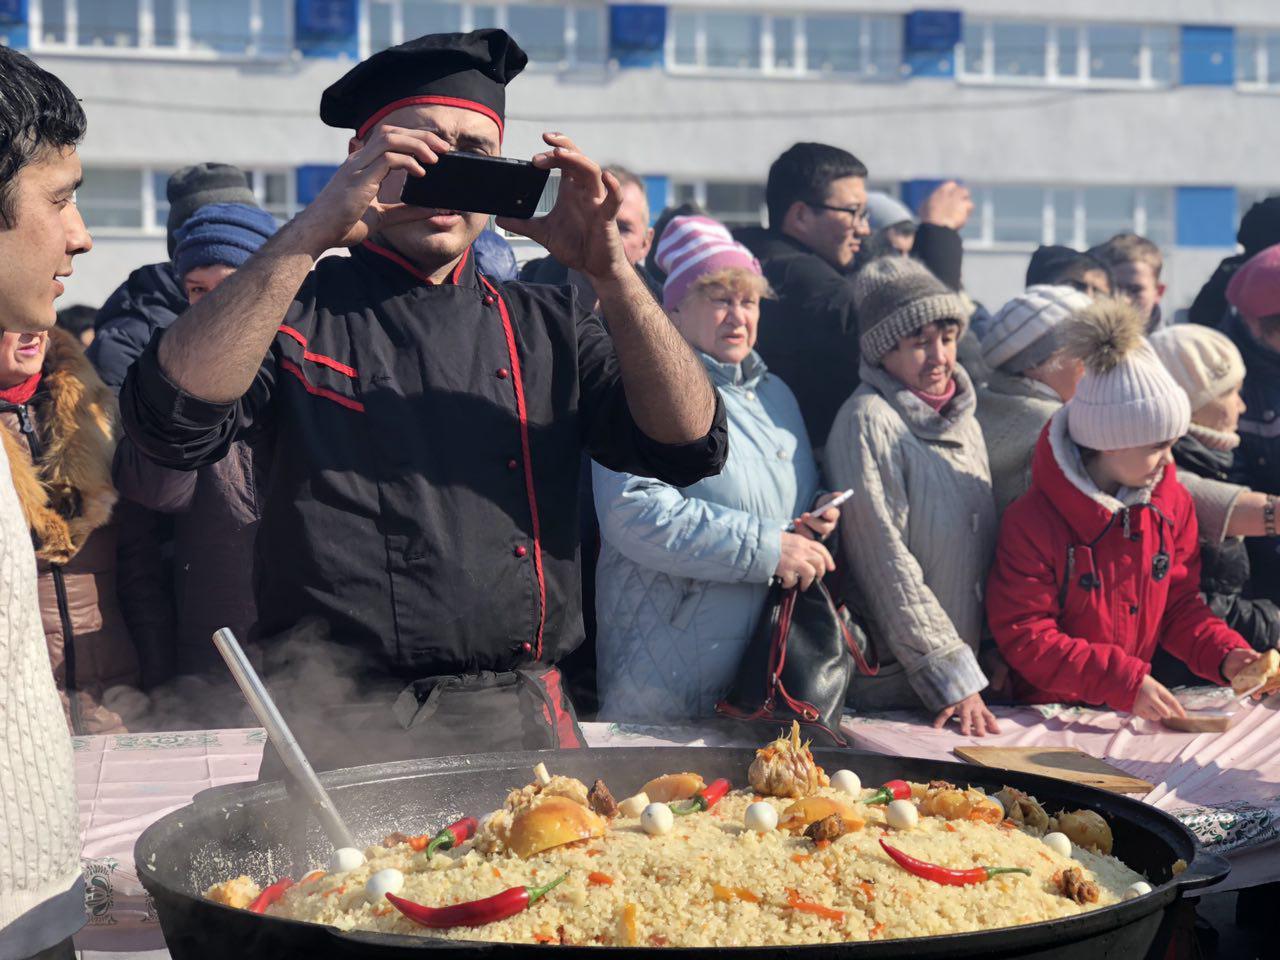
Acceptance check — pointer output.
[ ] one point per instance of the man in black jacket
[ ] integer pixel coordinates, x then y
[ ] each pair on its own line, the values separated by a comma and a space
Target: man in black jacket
427, 423
816, 196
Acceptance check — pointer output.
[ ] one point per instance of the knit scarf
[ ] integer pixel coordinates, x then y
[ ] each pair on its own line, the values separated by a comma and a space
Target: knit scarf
1214, 439
939, 400
23, 391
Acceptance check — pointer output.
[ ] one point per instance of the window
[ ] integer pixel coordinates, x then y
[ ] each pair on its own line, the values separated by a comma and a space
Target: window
1034, 52
111, 198
1025, 215
1258, 58
253, 28
733, 40
554, 35
133, 198
1019, 49
733, 203
806, 45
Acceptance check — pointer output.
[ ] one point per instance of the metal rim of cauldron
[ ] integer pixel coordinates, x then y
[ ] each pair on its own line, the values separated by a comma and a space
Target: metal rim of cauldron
1203, 868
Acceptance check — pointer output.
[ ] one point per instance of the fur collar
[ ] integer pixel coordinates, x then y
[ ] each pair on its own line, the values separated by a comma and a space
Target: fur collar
68, 494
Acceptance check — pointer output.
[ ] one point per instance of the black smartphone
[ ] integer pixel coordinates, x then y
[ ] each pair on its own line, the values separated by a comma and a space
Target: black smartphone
478, 184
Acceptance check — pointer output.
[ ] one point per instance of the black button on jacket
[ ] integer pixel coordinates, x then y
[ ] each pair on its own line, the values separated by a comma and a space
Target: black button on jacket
427, 439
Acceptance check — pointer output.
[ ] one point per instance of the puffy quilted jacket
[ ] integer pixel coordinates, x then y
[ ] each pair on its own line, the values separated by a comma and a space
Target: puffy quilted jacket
1076, 600
684, 572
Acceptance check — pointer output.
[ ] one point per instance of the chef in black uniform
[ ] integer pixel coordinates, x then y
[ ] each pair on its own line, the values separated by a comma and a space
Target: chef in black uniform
427, 422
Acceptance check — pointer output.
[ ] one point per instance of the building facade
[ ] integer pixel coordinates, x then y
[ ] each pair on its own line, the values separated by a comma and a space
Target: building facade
1070, 123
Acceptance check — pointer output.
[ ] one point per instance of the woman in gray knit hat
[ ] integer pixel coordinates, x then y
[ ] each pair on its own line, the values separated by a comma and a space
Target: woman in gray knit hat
920, 530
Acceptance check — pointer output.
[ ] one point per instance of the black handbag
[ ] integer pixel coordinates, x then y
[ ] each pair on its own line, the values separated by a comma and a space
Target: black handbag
798, 666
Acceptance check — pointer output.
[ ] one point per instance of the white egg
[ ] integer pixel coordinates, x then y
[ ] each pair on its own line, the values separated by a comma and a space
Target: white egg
846, 781
344, 859
1058, 843
760, 817
657, 819
381, 883
1139, 889
902, 815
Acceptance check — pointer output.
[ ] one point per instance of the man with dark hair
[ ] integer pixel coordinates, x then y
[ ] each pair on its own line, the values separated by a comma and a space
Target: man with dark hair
817, 201
41, 888
1054, 265
427, 422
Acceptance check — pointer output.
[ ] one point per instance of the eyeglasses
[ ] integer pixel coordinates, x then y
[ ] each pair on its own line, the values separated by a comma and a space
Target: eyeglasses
859, 214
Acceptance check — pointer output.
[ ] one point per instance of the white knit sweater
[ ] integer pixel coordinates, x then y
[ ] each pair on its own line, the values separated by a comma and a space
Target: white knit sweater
39, 823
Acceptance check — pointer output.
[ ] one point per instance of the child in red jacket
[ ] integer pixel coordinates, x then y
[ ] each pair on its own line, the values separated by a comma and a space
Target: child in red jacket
1099, 561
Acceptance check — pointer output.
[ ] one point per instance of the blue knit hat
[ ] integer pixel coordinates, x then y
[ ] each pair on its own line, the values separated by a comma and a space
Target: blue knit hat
221, 233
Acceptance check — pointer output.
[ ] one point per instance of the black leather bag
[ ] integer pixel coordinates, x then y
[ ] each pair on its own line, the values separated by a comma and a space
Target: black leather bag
798, 666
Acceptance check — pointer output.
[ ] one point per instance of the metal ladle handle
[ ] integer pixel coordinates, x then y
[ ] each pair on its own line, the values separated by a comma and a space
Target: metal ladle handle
282, 738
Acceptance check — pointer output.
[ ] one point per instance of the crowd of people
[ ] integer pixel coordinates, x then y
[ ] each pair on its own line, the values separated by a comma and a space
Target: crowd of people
439, 465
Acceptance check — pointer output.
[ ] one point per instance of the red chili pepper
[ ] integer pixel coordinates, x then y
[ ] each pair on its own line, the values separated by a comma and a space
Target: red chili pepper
270, 895
945, 875
893, 790
704, 799
476, 912
453, 835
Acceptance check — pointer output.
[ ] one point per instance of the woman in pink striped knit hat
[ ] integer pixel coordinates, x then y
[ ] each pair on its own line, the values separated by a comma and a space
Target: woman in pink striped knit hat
684, 572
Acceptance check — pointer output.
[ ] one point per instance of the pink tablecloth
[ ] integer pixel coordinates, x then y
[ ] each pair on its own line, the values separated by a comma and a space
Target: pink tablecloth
1225, 787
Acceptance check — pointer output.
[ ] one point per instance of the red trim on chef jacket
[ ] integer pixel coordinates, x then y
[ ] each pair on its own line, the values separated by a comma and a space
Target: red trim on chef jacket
518, 383
562, 722
319, 358
311, 388
428, 99
404, 264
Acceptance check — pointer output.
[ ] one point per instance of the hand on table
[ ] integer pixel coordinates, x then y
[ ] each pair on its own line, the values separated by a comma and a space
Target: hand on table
818, 524
803, 561
975, 719
1155, 702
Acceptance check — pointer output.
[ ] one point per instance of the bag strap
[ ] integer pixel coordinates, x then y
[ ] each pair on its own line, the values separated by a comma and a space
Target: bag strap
864, 668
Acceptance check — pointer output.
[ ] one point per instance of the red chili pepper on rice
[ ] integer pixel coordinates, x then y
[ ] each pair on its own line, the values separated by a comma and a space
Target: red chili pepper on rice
703, 800
945, 875
474, 913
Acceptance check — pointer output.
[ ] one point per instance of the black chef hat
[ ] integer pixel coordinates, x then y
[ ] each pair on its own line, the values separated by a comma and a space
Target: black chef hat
469, 70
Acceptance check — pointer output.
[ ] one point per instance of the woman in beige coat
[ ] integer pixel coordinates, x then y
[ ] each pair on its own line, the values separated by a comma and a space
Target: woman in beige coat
919, 533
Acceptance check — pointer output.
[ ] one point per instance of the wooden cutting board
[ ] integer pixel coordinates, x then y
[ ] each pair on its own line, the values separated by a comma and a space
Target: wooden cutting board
1065, 763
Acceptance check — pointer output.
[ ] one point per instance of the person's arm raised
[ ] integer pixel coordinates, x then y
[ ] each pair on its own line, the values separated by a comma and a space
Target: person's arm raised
213, 350
668, 392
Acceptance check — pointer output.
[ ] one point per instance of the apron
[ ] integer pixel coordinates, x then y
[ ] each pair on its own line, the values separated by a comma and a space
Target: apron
487, 712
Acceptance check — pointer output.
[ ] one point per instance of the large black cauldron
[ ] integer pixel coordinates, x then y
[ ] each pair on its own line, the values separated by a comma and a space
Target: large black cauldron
258, 830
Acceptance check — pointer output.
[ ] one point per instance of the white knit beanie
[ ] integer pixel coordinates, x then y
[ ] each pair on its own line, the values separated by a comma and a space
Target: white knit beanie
1029, 329
1126, 397
1204, 361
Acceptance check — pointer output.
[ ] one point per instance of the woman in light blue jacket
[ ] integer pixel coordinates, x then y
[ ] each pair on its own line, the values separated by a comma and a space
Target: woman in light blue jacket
684, 572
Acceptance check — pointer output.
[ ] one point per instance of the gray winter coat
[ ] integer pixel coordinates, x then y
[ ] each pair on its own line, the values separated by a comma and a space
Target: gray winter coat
684, 572
1012, 411
918, 535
